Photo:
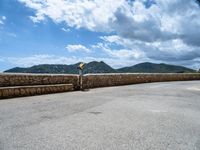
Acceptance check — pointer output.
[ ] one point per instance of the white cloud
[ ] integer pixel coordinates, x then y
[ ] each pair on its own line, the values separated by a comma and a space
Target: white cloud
120, 53
129, 19
65, 30
4, 17
87, 14
117, 40
2, 20
77, 48
168, 30
112, 39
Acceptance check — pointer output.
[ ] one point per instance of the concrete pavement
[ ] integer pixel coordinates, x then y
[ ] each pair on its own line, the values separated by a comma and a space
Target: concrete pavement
155, 116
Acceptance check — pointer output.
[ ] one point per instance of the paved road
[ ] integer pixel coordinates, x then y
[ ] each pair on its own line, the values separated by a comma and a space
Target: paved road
156, 116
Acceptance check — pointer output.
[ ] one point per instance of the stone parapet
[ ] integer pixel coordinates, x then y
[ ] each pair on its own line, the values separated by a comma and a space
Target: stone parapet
19, 91
15, 85
36, 79
104, 80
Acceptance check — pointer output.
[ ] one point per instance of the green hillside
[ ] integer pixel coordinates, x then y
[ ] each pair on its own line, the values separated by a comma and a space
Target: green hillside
92, 67
155, 68
101, 67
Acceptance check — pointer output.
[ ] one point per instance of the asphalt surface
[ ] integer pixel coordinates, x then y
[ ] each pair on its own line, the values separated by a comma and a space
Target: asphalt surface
156, 116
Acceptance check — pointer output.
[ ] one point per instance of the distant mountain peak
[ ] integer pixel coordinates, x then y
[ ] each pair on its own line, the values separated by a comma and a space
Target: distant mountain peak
102, 67
148, 67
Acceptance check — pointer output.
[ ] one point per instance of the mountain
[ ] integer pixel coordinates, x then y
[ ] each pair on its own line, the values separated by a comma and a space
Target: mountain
92, 67
46, 69
98, 67
155, 68
101, 67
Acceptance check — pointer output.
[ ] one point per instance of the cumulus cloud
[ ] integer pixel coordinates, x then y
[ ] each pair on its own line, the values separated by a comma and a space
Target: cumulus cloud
172, 50
77, 48
2, 20
87, 14
160, 30
120, 53
130, 19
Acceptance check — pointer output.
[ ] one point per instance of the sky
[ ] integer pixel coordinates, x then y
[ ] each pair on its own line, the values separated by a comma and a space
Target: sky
118, 32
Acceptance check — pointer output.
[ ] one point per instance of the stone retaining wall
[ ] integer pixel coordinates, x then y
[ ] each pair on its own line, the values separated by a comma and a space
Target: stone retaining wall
10, 92
104, 80
36, 79
93, 80
15, 85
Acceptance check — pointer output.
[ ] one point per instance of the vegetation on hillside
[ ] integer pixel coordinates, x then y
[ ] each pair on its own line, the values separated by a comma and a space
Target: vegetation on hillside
102, 67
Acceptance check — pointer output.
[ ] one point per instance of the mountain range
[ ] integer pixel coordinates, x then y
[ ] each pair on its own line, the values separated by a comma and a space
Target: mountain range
102, 67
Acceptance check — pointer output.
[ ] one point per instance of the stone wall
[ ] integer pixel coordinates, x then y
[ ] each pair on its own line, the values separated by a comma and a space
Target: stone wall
92, 80
36, 79
104, 80
19, 91
15, 85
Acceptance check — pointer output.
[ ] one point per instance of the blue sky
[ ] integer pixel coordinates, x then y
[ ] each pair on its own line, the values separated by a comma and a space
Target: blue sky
121, 33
